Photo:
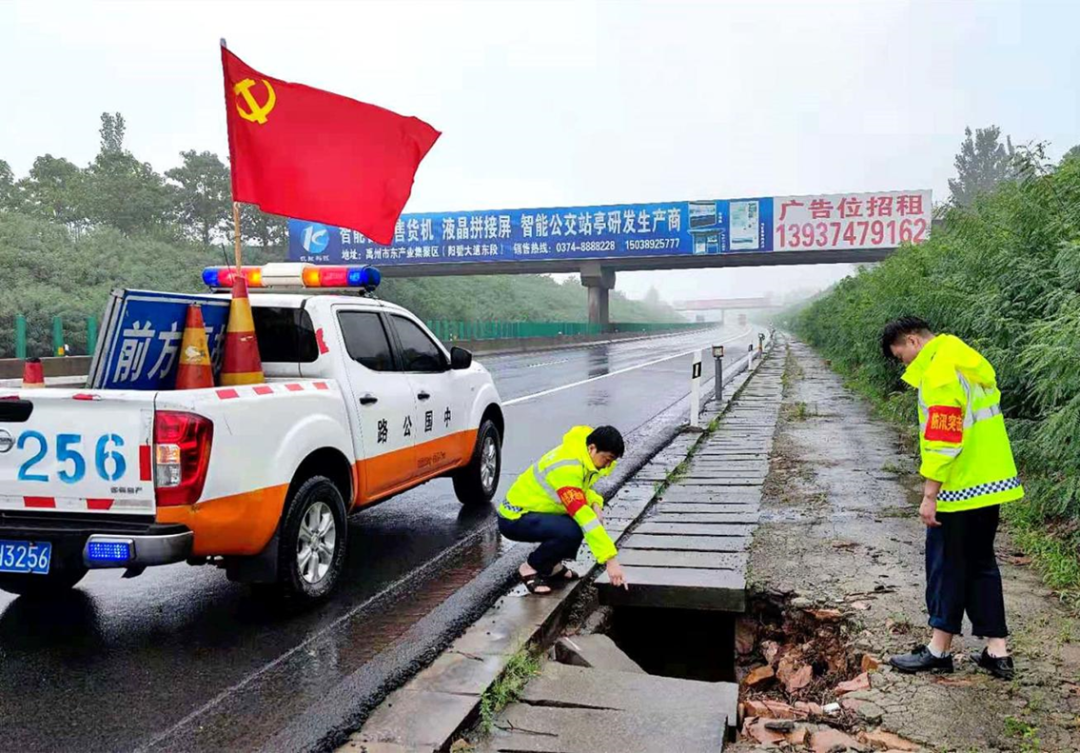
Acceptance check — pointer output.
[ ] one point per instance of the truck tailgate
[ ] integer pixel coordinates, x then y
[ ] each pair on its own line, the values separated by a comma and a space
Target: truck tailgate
77, 451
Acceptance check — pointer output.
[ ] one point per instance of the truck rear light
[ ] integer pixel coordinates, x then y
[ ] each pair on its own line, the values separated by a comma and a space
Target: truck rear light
182, 455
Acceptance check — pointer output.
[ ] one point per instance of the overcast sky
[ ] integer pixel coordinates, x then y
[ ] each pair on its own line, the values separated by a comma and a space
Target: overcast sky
567, 103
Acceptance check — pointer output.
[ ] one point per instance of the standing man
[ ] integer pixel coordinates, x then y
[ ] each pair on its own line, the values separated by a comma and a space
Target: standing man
553, 503
969, 472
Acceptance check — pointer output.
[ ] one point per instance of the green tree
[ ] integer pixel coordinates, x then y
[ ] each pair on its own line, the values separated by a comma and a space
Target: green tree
203, 196
1073, 153
982, 163
270, 231
8, 193
121, 191
54, 190
112, 133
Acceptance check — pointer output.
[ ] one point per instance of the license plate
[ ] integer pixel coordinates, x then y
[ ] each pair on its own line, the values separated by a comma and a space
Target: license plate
25, 557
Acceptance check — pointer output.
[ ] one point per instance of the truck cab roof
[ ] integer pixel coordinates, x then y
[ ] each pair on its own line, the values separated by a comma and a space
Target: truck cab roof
306, 300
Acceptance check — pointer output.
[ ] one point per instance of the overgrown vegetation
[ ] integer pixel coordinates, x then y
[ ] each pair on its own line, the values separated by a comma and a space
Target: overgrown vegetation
1004, 275
70, 234
522, 666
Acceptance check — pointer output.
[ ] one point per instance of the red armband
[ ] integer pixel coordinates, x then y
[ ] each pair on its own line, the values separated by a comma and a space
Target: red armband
945, 423
573, 499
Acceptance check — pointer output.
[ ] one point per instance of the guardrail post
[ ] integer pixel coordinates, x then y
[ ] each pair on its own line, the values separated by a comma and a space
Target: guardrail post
695, 390
20, 337
718, 356
58, 336
91, 335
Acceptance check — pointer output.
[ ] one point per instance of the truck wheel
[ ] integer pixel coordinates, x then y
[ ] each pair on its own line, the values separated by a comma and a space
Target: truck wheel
475, 484
57, 581
312, 548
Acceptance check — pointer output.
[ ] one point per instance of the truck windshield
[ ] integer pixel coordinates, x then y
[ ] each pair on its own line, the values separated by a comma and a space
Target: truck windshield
285, 335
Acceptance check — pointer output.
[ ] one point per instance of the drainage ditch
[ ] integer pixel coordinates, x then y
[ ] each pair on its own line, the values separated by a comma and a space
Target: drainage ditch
793, 660
681, 643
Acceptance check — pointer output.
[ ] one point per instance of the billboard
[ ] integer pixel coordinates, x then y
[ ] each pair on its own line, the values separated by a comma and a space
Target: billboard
678, 228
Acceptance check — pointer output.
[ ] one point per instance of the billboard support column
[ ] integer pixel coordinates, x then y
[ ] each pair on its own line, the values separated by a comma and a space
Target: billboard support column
599, 280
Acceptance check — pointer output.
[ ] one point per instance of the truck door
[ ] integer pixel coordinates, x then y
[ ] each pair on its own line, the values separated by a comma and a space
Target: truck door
382, 402
439, 418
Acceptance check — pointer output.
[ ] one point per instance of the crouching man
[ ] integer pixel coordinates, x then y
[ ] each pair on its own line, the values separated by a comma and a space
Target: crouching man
553, 503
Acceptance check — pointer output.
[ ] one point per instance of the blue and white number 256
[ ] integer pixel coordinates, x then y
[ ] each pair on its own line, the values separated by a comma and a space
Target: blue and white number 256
109, 463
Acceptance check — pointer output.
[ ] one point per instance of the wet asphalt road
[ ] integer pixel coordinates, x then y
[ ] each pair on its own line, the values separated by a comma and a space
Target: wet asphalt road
181, 659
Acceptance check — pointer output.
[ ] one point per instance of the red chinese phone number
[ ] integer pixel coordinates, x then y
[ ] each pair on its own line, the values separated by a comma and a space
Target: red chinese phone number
850, 233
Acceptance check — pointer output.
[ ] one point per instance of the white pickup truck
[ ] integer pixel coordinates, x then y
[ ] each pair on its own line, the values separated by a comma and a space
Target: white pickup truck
361, 403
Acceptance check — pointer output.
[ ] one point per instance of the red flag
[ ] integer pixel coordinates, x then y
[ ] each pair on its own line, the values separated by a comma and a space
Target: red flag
313, 155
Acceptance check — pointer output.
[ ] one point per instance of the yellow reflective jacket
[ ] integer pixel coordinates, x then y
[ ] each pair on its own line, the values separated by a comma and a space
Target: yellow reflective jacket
560, 483
962, 437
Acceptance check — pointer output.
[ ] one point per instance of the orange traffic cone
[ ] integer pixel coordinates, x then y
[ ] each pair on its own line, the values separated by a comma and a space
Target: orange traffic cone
33, 374
242, 364
194, 371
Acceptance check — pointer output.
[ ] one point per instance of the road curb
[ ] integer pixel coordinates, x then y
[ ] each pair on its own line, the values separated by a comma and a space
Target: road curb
427, 713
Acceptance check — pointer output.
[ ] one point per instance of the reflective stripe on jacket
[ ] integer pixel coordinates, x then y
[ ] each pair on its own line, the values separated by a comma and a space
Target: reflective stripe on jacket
560, 483
962, 436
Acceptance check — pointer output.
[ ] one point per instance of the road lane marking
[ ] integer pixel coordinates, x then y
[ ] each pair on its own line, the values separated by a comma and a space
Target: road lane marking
553, 390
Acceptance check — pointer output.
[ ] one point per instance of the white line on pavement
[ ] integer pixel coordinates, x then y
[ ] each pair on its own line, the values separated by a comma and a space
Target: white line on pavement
517, 400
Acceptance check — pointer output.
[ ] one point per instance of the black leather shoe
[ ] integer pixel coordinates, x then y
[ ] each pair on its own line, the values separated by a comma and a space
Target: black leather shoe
1000, 667
921, 660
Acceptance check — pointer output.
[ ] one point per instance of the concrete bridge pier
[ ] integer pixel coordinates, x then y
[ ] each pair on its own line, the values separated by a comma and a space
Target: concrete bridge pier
600, 281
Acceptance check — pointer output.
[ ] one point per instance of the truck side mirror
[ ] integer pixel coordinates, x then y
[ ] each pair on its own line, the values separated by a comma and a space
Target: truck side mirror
460, 358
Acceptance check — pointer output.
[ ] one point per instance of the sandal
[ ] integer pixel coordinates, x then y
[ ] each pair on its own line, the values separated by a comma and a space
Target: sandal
535, 581
564, 575
560, 578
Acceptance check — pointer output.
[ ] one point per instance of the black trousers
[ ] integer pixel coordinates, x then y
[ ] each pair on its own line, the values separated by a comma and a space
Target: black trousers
559, 537
962, 573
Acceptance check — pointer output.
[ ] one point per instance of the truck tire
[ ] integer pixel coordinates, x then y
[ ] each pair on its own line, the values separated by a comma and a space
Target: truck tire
312, 547
57, 581
476, 483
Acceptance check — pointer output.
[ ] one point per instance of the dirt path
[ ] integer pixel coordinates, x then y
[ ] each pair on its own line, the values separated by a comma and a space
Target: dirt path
839, 530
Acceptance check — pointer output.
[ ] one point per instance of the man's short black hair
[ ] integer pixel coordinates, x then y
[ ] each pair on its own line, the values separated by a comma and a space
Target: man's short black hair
900, 328
607, 439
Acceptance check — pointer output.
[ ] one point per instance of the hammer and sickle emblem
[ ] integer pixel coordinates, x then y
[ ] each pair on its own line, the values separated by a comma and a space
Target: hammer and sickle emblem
256, 113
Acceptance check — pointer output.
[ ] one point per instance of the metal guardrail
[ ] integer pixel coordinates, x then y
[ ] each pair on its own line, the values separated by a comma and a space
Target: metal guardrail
445, 329
449, 331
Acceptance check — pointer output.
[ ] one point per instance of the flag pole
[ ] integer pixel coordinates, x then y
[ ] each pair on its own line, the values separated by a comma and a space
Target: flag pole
236, 231
237, 241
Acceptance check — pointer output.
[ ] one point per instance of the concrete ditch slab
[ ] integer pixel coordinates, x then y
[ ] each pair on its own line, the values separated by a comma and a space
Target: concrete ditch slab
720, 517
421, 719
740, 455
538, 729
511, 623
711, 508
595, 652
563, 685
695, 529
688, 543
454, 672
722, 465
677, 588
737, 482
695, 560
702, 495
